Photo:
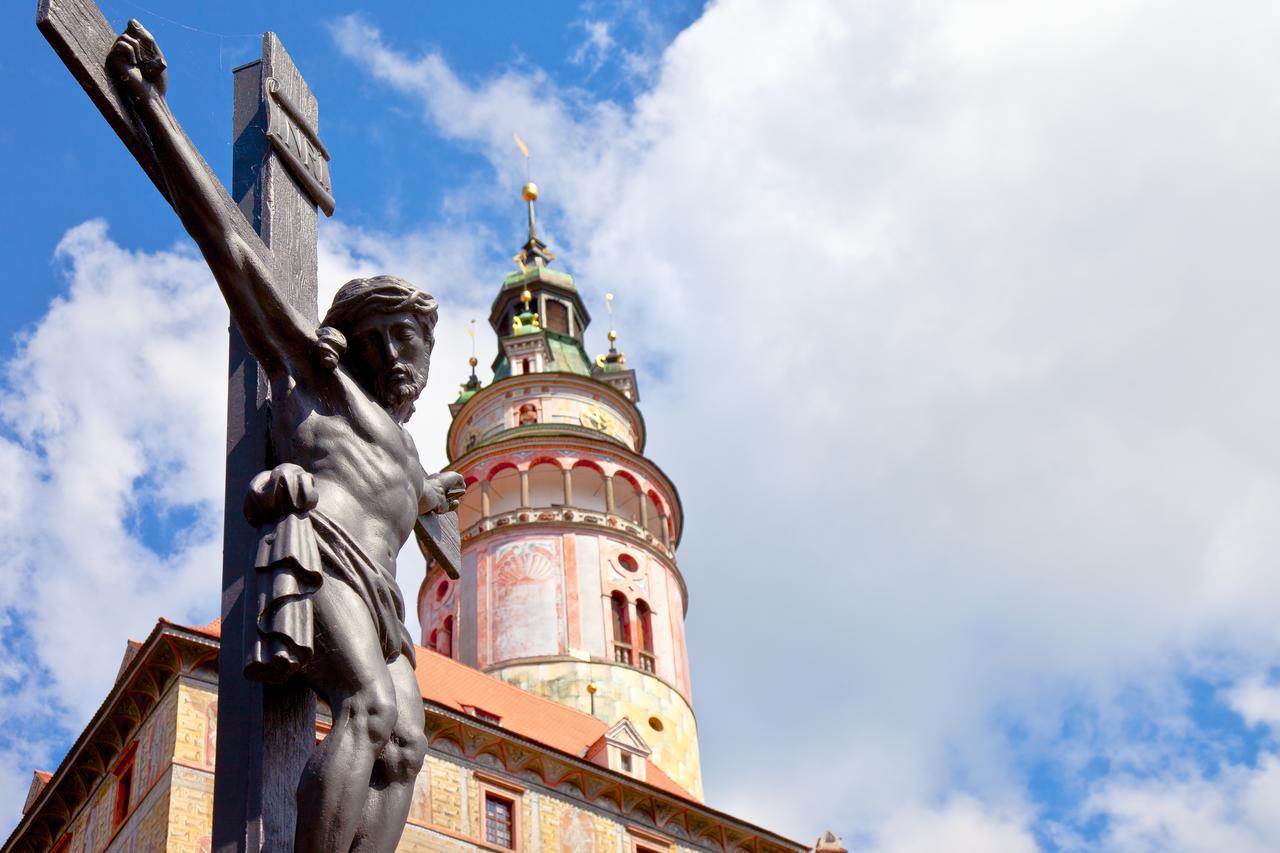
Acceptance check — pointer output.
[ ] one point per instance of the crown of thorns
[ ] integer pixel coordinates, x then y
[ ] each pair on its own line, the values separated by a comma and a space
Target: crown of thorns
381, 294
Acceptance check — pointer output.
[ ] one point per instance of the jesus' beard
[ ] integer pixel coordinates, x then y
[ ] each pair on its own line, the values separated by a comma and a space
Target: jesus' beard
398, 388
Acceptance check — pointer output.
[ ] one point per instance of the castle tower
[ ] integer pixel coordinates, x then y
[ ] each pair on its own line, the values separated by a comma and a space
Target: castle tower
569, 585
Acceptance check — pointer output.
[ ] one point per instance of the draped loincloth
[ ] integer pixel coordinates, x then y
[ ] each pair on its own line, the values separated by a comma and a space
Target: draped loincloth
299, 549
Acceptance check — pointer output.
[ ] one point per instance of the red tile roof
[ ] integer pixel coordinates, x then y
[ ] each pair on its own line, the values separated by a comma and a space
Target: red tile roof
455, 685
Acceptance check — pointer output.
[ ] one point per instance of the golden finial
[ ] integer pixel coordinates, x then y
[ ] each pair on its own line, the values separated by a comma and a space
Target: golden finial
612, 356
473, 361
526, 297
530, 191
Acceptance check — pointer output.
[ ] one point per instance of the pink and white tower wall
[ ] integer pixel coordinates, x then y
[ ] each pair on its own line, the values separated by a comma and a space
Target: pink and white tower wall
569, 586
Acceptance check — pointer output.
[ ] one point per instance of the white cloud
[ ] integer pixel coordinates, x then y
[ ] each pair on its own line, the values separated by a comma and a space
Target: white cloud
1188, 812
595, 48
114, 420
960, 826
962, 306
1257, 701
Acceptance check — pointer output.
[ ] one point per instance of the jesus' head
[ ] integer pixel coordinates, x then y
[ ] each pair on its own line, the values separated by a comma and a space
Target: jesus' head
389, 327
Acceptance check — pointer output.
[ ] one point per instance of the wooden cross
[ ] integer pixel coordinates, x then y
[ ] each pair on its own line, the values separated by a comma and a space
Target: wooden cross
280, 176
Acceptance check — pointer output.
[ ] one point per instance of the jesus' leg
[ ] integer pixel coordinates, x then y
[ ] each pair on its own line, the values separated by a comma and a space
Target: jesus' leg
396, 768
350, 672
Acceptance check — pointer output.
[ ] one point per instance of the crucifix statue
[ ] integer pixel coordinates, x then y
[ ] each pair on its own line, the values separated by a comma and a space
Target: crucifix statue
324, 485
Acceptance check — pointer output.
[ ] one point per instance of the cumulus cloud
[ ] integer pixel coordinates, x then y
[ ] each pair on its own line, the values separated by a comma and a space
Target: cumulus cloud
962, 308
113, 419
1188, 811
113, 429
959, 826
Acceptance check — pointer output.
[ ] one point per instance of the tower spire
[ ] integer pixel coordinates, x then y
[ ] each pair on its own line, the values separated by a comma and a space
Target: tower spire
534, 252
612, 360
472, 385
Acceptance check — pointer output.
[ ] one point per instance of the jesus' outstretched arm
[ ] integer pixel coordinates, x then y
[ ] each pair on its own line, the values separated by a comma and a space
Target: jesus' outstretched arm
275, 332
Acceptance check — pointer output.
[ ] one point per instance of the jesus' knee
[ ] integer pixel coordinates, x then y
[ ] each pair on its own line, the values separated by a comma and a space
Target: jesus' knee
403, 756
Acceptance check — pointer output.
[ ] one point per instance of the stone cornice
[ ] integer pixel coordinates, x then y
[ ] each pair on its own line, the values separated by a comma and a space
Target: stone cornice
684, 821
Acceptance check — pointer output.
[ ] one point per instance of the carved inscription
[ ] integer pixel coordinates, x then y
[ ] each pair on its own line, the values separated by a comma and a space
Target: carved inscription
299, 147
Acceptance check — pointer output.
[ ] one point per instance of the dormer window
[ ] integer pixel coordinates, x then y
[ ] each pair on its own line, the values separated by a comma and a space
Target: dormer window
482, 714
621, 749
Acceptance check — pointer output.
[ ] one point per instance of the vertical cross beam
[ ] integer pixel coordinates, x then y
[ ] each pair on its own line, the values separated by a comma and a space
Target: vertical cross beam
265, 732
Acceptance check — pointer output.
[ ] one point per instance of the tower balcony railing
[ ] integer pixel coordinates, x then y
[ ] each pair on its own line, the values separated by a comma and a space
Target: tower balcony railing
622, 652
577, 515
647, 662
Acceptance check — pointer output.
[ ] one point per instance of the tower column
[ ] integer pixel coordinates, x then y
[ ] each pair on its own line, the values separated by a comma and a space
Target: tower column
608, 494
644, 511
484, 498
524, 489
666, 536
568, 487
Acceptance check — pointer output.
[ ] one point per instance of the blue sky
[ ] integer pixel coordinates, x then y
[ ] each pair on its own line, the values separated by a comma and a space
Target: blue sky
953, 326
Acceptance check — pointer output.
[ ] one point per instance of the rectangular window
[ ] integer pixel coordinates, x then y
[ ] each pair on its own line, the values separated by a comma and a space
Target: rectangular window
499, 821
123, 771
557, 316
124, 792
626, 762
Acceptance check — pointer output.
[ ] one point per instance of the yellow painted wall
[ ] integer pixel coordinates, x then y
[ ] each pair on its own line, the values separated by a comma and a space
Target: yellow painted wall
175, 812
622, 691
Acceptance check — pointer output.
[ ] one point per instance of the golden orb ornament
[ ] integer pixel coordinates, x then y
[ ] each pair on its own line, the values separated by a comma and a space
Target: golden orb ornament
473, 361
613, 336
530, 191
526, 296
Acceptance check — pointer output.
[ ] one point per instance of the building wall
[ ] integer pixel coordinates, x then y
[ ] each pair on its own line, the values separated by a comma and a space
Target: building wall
545, 592
446, 813
146, 826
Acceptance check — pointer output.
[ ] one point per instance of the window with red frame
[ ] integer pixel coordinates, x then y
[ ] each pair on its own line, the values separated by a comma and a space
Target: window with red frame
499, 821
124, 785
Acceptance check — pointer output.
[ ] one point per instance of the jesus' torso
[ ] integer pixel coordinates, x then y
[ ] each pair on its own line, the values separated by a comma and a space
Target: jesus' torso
368, 475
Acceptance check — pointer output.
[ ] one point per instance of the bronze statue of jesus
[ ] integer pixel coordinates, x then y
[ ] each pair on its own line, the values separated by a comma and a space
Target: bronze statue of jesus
336, 511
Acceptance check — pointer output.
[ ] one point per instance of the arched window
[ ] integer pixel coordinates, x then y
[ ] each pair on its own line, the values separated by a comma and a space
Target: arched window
644, 640
546, 485
445, 646
504, 491
626, 497
469, 508
588, 487
656, 515
621, 628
